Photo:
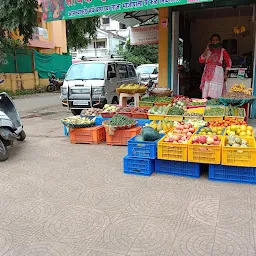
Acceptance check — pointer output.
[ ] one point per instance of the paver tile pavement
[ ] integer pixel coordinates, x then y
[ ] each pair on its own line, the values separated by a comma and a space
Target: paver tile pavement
62, 199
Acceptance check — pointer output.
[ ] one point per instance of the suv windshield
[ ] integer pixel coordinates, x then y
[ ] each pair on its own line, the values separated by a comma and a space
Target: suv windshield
146, 69
86, 71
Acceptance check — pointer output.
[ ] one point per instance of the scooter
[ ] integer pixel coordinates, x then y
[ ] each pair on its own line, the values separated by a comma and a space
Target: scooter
11, 128
54, 83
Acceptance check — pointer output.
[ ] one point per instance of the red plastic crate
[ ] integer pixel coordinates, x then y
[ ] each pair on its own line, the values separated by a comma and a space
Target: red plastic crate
92, 135
121, 137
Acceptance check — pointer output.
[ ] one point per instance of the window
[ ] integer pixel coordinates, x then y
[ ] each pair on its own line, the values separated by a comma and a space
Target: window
111, 71
100, 44
86, 71
105, 21
131, 71
122, 26
122, 70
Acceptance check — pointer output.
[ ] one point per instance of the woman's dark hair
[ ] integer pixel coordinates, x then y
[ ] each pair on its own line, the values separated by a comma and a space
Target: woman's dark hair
215, 35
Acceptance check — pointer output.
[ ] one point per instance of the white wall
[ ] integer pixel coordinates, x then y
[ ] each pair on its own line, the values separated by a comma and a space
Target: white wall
201, 30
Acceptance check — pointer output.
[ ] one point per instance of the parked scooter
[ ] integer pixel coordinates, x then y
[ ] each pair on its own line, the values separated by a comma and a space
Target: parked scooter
54, 83
11, 127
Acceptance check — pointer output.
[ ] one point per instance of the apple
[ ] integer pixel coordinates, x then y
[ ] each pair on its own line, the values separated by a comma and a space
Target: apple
215, 137
216, 143
189, 134
186, 126
171, 139
196, 140
182, 127
202, 139
192, 129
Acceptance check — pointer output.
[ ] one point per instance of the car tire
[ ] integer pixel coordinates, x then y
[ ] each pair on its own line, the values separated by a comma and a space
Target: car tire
76, 112
3, 152
115, 101
22, 136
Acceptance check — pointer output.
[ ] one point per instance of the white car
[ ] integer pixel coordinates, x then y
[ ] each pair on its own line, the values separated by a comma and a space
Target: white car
94, 83
147, 72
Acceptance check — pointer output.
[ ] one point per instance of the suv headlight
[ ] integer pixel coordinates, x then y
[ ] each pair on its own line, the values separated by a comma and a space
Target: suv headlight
98, 91
64, 90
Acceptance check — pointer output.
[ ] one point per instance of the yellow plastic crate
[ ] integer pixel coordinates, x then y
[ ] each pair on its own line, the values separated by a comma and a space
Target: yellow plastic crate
206, 154
175, 118
245, 136
193, 118
239, 118
239, 156
214, 118
199, 110
156, 117
172, 151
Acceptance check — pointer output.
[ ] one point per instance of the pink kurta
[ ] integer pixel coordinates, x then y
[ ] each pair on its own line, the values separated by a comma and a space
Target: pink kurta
212, 84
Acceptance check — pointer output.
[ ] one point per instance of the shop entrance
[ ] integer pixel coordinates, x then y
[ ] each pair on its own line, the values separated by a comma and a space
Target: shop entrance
196, 27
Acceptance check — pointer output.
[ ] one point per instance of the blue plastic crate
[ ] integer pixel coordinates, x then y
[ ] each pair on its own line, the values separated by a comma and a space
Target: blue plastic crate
66, 131
138, 166
142, 149
143, 122
232, 174
178, 168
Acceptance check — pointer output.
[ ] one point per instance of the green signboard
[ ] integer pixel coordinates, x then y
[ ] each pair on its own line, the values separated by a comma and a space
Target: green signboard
72, 9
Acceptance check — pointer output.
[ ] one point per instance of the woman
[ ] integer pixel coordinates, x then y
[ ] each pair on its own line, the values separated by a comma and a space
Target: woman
214, 76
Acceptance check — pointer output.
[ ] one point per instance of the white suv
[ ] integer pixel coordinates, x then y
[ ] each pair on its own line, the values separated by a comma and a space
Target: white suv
94, 83
147, 72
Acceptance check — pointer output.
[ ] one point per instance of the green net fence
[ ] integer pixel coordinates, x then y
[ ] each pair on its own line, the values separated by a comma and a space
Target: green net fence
52, 63
17, 61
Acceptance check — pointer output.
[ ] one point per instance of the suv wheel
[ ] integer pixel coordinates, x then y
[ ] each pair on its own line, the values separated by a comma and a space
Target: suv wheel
115, 101
76, 112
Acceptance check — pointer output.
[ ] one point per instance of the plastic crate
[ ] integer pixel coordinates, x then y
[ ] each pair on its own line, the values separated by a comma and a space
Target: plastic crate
177, 118
239, 118
205, 154
199, 129
66, 131
108, 114
161, 117
142, 149
92, 135
239, 156
142, 122
121, 137
139, 166
214, 118
177, 168
232, 174
155, 117
172, 151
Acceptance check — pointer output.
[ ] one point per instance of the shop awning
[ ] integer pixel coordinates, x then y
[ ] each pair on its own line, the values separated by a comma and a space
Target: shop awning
134, 18
74, 9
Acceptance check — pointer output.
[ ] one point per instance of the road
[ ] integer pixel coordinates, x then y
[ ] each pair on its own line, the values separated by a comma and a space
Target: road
58, 198
35, 103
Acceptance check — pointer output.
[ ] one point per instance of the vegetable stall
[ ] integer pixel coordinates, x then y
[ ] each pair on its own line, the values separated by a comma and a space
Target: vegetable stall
176, 135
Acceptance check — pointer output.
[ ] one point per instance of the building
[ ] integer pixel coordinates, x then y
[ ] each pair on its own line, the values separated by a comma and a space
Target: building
48, 37
110, 38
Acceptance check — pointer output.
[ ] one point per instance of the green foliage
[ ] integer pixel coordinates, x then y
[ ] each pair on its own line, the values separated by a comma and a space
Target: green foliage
141, 54
81, 31
16, 15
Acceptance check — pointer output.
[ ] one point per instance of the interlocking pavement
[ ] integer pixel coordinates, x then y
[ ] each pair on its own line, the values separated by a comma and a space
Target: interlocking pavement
62, 199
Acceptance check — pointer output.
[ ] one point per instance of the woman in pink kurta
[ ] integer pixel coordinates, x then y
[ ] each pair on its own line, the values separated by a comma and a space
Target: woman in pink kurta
214, 76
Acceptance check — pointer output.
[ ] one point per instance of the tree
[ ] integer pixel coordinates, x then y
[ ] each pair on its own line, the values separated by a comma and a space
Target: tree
81, 31
141, 54
18, 16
